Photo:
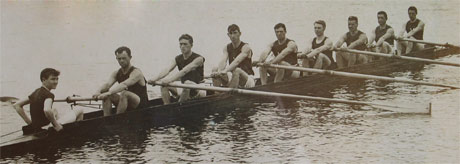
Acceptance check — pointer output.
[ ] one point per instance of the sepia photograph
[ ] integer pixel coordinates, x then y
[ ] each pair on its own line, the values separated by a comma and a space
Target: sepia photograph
230, 81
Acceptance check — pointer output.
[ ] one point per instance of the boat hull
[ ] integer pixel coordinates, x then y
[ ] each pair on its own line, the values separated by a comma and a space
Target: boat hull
158, 114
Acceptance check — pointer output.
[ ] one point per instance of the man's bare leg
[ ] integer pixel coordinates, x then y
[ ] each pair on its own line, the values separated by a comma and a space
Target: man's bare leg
322, 62
107, 104
165, 96
127, 99
263, 75
341, 60
239, 78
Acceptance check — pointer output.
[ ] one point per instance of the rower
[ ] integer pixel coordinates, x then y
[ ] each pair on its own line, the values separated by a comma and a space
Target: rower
41, 101
383, 35
319, 48
355, 39
412, 29
131, 93
285, 52
239, 71
191, 67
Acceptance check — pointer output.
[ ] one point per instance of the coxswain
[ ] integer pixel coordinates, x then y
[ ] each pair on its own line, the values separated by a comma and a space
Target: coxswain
41, 101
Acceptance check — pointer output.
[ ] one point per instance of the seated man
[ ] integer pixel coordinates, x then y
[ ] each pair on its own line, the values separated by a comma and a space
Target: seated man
191, 67
41, 105
132, 86
285, 52
383, 35
318, 50
412, 29
239, 71
355, 39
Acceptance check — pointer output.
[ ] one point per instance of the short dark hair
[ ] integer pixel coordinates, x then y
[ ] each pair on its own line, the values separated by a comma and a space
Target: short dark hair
47, 72
321, 22
233, 27
383, 13
351, 18
120, 50
279, 25
186, 37
412, 8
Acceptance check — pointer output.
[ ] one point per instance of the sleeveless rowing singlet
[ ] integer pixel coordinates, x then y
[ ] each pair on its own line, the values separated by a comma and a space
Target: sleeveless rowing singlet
351, 38
196, 75
137, 89
277, 48
410, 26
246, 64
315, 45
380, 32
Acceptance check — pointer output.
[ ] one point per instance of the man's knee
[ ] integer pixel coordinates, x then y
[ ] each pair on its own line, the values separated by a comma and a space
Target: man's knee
280, 71
189, 82
237, 71
214, 69
124, 94
78, 112
111, 98
164, 89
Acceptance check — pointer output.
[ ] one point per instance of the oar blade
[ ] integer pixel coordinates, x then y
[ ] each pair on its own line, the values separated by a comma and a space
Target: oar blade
413, 109
7, 100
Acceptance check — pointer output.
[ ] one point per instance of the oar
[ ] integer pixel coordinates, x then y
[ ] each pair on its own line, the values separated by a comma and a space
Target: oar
74, 99
401, 109
427, 42
397, 57
8, 99
68, 99
355, 75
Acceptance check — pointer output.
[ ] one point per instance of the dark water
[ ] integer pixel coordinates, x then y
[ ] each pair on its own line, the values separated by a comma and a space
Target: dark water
77, 38
300, 132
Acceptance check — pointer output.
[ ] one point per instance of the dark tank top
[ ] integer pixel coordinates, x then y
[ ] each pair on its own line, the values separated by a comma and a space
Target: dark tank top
137, 89
246, 64
277, 48
195, 75
328, 53
410, 26
351, 38
380, 32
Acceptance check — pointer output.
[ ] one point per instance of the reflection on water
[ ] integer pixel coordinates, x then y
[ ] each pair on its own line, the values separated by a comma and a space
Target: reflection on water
293, 132
305, 131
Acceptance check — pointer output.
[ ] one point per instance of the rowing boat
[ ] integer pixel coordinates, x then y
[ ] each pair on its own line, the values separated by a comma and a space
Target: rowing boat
158, 114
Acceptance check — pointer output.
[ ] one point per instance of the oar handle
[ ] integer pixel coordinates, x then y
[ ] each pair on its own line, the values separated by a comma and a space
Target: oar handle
74, 99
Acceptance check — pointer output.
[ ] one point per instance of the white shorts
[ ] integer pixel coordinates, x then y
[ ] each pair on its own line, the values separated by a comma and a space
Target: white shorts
64, 116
